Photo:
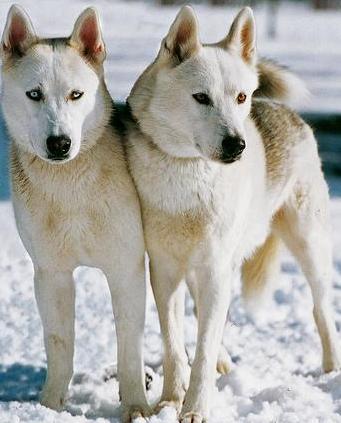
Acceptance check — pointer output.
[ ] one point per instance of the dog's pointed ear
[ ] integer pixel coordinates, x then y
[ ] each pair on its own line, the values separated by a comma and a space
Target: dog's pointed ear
242, 36
18, 34
87, 36
182, 40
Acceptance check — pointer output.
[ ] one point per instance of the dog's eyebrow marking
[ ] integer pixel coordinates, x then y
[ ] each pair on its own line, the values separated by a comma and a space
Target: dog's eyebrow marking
54, 43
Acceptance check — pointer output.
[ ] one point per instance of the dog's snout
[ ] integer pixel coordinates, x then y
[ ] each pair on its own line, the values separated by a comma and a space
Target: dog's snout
232, 148
58, 146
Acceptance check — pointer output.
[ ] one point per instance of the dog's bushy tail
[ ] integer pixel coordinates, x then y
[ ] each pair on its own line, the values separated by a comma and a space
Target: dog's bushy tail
278, 83
259, 271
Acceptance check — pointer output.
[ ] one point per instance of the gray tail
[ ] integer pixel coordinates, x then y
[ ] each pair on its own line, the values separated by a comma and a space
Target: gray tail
278, 83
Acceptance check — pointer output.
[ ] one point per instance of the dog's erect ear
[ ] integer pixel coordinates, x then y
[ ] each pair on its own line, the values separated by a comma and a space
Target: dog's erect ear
18, 34
87, 36
242, 36
182, 40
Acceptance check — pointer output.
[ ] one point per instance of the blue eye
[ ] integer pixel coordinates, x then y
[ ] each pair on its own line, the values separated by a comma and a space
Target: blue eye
35, 94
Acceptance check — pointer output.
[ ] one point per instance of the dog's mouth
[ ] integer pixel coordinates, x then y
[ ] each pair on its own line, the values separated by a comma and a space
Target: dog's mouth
230, 159
58, 158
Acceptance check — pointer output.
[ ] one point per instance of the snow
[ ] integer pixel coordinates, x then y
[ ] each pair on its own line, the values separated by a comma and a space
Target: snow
276, 357
276, 361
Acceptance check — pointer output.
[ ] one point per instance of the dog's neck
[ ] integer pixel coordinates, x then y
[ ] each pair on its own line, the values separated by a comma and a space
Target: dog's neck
171, 184
132, 125
32, 174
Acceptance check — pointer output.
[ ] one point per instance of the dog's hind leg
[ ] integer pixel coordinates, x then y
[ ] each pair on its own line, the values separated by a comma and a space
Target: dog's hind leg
303, 224
224, 362
55, 296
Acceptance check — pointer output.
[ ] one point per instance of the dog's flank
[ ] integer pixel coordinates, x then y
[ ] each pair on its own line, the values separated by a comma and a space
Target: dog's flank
74, 200
203, 219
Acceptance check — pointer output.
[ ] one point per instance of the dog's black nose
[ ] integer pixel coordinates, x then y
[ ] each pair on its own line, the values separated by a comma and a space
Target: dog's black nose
232, 148
58, 146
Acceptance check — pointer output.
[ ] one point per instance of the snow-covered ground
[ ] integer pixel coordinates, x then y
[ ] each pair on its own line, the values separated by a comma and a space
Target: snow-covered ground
276, 376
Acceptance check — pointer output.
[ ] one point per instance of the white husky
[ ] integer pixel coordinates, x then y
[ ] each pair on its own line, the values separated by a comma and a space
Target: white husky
221, 178
74, 201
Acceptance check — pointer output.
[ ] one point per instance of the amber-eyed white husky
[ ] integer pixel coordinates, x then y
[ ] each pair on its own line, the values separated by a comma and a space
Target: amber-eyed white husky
221, 179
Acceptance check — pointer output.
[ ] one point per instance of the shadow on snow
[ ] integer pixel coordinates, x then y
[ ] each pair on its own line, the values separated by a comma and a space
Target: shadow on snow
20, 382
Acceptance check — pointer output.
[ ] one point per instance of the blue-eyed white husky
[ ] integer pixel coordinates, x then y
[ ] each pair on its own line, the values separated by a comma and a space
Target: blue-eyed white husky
221, 179
74, 201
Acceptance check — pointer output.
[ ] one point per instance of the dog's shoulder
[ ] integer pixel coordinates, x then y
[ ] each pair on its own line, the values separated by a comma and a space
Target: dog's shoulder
276, 121
284, 133
21, 183
281, 129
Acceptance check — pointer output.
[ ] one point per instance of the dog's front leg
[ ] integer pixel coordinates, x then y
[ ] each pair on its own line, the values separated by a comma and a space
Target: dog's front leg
213, 297
128, 292
170, 298
224, 361
55, 296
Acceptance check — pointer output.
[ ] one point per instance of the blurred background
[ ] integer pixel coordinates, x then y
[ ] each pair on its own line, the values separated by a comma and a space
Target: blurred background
303, 35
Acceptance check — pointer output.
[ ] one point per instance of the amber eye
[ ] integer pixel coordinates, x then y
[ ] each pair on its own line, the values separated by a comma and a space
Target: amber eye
241, 98
75, 95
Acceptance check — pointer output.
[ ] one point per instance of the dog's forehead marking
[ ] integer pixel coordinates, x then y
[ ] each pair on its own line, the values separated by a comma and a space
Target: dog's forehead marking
56, 66
219, 72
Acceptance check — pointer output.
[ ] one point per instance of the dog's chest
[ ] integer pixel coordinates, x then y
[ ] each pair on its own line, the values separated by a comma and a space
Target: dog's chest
66, 233
176, 187
177, 235
187, 208
184, 212
76, 219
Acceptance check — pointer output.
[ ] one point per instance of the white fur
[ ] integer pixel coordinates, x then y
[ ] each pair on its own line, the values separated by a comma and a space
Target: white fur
201, 218
82, 211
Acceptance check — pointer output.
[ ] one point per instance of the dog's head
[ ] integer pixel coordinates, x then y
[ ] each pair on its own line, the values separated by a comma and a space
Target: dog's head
193, 100
53, 94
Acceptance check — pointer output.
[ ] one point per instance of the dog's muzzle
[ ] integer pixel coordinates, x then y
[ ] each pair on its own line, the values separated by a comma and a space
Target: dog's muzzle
58, 147
231, 149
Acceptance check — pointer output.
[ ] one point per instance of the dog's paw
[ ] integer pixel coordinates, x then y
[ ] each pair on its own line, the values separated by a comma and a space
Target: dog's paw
332, 364
176, 404
51, 400
129, 413
224, 363
192, 417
